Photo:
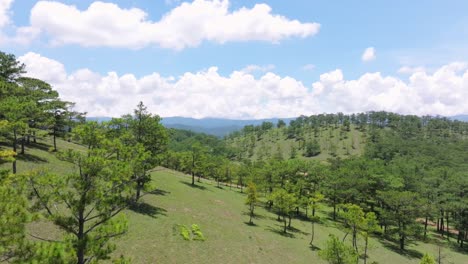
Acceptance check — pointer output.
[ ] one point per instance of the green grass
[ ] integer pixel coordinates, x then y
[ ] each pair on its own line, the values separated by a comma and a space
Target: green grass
221, 215
38, 155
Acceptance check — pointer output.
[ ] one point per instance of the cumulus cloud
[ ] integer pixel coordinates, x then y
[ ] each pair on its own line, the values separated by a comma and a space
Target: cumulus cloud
5, 6
22, 35
242, 95
187, 25
369, 54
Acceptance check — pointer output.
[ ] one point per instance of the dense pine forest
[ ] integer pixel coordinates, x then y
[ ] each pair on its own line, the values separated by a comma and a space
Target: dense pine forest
346, 188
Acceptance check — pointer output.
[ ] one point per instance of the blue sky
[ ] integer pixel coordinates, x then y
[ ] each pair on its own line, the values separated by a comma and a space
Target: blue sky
420, 48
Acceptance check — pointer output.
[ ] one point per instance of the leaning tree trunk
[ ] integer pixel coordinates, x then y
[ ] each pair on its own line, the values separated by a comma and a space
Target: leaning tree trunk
312, 234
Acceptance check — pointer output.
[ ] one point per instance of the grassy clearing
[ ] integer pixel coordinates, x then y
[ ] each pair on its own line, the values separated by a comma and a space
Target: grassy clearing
38, 156
331, 140
221, 215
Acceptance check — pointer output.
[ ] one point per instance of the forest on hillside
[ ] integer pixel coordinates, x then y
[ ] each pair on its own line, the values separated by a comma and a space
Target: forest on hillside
376, 175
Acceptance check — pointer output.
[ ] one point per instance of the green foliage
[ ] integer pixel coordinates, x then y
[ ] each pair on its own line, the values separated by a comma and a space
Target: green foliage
92, 198
196, 233
252, 199
185, 232
336, 252
193, 233
312, 148
10, 68
13, 216
427, 259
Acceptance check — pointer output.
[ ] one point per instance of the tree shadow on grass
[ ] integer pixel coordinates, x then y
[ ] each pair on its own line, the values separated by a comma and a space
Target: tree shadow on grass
160, 192
31, 158
255, 216
279, 230
314, 248
250, 224
196, 186
295, 230
41, 146
148, 209
410, 253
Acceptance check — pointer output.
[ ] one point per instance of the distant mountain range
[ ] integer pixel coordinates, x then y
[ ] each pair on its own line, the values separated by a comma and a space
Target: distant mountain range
215, 126
221, 126
460, 118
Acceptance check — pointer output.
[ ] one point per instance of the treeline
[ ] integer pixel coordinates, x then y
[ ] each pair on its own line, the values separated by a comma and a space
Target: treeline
109, 171
406, 124
30, 108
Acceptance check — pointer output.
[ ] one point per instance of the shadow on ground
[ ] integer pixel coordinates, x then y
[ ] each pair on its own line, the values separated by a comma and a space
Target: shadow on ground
279, 230
410, 253
148, 210
196, 186
314, 248
30, 158
160, 192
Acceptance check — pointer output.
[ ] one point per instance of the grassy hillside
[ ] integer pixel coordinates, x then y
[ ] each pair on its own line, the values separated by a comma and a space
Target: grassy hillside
220, 213
333, 141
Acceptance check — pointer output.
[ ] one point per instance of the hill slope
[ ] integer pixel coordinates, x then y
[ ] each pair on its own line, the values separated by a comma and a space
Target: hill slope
333, 141
220, 213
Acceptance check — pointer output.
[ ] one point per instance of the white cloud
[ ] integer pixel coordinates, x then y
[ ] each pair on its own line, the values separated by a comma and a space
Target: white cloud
5, 6
258, 68
187, 25
369, 54
242, 95
308, 67
23, 35
411, 70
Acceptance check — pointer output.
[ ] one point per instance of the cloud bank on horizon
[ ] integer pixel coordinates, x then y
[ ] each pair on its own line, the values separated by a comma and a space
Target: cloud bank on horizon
252, 90
207, 93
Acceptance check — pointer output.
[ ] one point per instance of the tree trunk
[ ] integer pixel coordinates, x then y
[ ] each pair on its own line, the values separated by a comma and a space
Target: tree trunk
193, 178
312, 234
139, 187
14, 149
22, 145
289, 224
355, 240
284, 222
442, 222
55, 139
448, 229
34, 137
81, 243
402, 242
366, 243
251, 213
334, 210
425, 227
